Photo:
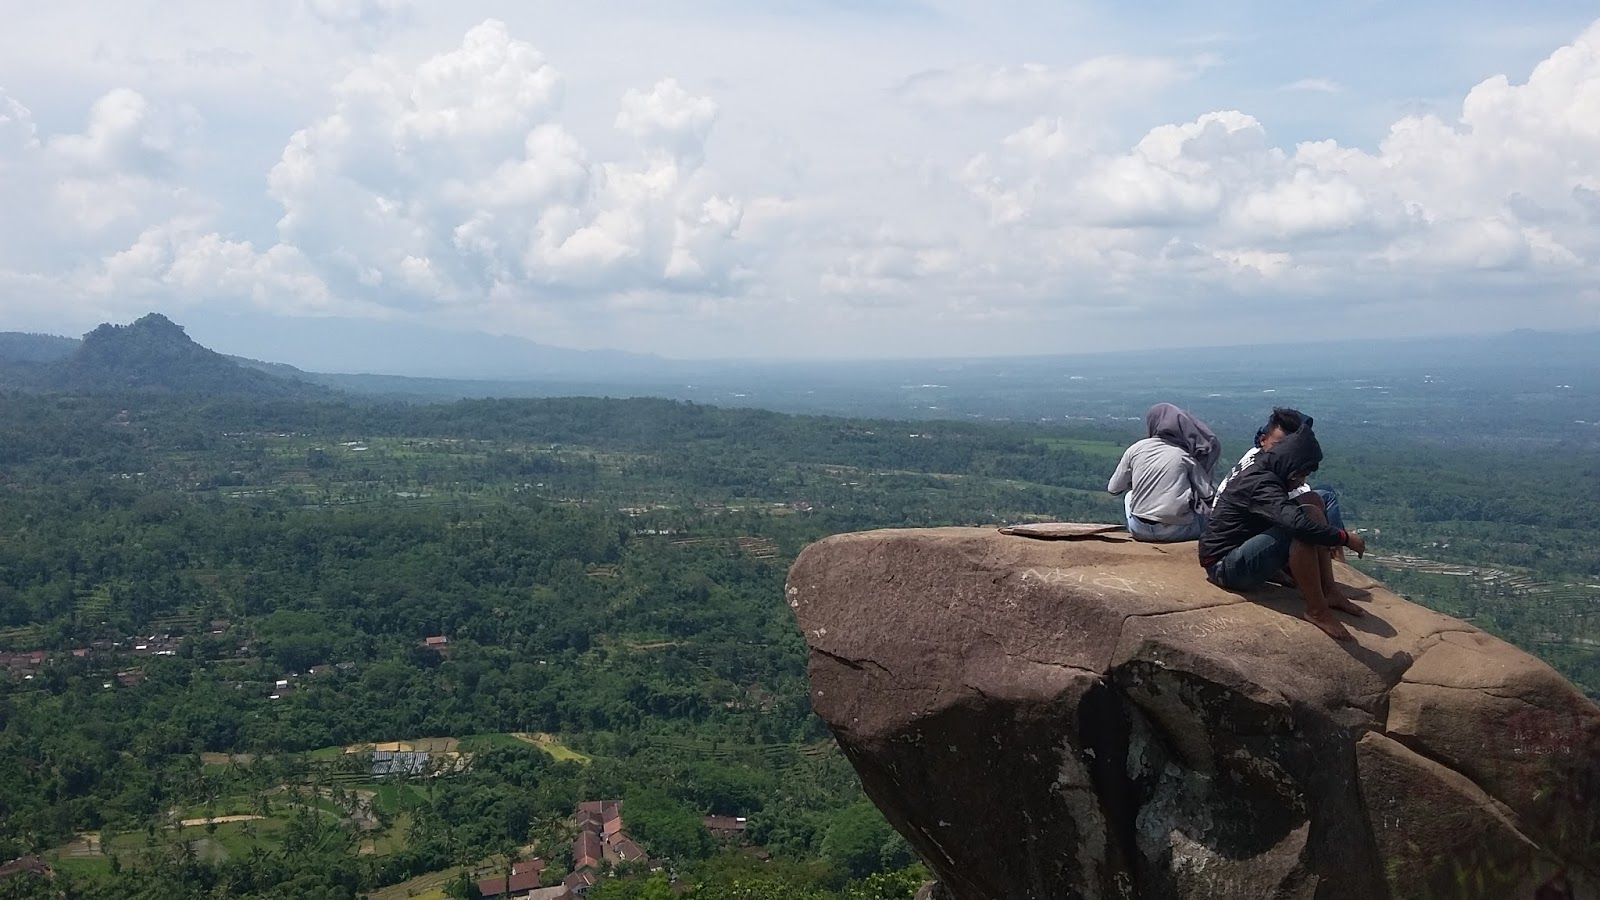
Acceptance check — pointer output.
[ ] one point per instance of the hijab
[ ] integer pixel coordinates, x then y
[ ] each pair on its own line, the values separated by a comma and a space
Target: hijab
1180, 429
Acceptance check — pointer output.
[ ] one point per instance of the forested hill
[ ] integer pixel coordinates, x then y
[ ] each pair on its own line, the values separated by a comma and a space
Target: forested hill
151, 355
24, 347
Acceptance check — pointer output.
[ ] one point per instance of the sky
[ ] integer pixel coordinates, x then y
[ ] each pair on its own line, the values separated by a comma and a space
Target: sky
799, 179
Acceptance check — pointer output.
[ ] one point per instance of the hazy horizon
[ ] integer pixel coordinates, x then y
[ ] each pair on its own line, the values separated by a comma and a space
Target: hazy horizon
415, 351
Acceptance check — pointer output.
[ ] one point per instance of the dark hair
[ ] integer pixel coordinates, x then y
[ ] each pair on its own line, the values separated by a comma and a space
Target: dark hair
1289, 420
1285, 419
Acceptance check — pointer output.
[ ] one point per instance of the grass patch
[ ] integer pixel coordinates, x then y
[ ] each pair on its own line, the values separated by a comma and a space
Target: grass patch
236, 838
393, 798
552, 745
475, 743
422, 887
415, 745
233, 805
83, 866
390, 841
322, 805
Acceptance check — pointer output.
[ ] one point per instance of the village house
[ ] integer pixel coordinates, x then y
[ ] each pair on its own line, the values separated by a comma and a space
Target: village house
521, 883
602, 838
578, 883
725, 828
587, 851
155, 645
624, 850
27, 865
24, 663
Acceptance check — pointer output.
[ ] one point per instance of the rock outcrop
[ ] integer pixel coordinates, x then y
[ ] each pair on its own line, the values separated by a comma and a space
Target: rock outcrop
1091, 720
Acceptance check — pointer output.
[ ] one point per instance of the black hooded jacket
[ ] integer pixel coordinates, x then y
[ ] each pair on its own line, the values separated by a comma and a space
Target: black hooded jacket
1257, 499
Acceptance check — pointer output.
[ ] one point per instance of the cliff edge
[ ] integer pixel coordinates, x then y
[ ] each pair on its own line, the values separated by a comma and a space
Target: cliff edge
1091, 719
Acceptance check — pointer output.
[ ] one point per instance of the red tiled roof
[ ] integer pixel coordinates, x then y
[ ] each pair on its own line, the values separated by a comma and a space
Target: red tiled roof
516, 884
606, 809
627, 850
586, 850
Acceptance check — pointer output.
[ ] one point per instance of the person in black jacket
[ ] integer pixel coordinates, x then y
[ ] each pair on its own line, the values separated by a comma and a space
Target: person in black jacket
1285, 421
1255, 529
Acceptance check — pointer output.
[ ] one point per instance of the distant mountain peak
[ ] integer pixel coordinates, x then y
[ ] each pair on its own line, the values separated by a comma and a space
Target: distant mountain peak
154, 353
157, 322
151, 324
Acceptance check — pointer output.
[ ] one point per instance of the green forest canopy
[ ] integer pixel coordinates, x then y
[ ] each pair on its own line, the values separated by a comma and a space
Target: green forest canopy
608, 572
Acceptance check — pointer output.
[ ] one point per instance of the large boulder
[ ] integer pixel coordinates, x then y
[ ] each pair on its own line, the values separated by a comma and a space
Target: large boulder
1092, 719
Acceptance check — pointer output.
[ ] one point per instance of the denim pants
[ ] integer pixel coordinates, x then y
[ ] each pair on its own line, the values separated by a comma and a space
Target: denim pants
1331, 501
1160, 532
1250, 564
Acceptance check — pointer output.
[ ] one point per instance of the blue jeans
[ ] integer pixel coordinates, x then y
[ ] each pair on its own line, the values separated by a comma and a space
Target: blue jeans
1331, 500
1250, 564
1161, 533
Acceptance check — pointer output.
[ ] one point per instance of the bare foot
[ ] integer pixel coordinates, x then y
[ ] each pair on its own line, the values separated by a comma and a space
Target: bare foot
1343, 604
1330, 626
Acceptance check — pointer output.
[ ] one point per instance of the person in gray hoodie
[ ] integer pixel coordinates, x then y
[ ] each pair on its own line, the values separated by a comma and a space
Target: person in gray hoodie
1167, 480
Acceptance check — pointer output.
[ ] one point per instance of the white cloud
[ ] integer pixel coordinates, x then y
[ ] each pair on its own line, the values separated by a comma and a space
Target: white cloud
375, 14
81, 189
1091, 82
180, 260
1314, 85
1305, 203
668, 117
452, 181
117, 137
449, 183
468, 175
1508, 187
17, 131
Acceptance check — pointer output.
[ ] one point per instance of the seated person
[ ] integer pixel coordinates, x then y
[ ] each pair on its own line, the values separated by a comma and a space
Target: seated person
1255, 529
1284, 421
1167, 477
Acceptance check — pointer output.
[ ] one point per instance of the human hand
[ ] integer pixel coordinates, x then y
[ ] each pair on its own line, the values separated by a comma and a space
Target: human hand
1356, 542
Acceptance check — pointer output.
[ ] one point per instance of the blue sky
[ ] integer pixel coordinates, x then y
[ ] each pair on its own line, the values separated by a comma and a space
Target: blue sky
796, 179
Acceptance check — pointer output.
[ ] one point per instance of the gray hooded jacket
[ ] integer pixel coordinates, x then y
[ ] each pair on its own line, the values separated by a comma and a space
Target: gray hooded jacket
1169, 473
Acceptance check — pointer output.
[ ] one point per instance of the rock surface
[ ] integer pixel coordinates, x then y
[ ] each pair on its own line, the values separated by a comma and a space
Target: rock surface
1092, 719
